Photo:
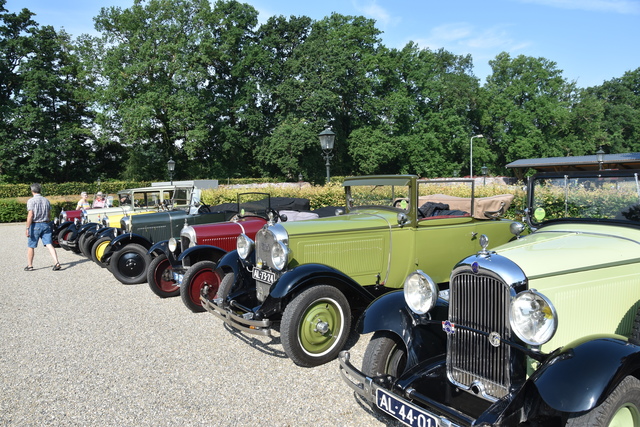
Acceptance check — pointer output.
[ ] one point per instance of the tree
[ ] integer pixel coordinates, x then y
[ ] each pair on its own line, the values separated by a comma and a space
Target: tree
528, 109
14, 49
621, 117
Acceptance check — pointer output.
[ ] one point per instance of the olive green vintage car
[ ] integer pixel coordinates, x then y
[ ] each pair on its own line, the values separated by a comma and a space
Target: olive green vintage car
311, 277
541, 331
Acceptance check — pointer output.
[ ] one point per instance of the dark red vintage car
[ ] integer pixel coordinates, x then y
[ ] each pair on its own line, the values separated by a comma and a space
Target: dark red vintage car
186, 265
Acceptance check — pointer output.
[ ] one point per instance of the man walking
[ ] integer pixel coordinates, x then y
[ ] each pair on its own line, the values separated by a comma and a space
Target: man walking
39, 227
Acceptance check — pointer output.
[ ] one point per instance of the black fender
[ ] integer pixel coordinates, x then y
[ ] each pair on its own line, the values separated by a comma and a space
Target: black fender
231, 262
306, 275
160, 248
422, 335
59, 228
201, 253
123, 240
91, 226
582, 374
106, 232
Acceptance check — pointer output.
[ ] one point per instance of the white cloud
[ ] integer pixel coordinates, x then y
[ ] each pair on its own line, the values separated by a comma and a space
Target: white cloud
373, 10
625, 7
464, 37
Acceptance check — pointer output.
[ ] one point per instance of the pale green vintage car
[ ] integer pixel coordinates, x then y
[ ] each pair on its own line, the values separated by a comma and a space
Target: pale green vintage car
543, 330
312, 277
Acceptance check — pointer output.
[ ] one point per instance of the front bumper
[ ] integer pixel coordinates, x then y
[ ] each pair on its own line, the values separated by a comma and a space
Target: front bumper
244, 323
371, 391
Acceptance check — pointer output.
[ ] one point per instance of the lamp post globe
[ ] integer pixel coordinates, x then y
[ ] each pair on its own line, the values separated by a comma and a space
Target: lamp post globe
327, 139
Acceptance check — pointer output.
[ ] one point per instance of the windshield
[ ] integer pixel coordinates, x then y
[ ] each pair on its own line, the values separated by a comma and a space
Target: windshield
377, 195
585, 196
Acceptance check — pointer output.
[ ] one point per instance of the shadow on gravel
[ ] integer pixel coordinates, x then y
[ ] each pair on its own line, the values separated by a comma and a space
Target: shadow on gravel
263, 347
362, 402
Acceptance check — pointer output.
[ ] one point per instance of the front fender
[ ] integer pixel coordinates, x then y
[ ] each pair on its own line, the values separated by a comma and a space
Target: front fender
230, 262
306, 275
423, 336
582, 374
123, 240
201, 253
162, 248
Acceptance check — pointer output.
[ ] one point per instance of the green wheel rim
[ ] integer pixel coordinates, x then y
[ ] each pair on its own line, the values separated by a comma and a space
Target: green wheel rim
626, 416
320, 327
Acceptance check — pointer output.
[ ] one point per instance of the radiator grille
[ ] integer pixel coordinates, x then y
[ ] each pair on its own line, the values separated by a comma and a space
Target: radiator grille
480, 303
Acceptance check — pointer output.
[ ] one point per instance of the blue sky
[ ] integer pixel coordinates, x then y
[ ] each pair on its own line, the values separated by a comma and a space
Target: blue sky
590, 40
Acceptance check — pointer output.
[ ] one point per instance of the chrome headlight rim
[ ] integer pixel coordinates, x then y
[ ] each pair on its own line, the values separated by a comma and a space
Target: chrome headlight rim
64, 216
541, 309
244, 245
126, 220
280, 256
105, 220
420, 292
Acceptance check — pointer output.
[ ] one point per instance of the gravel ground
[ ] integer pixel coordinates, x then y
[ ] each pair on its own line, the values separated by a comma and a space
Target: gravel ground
78, 348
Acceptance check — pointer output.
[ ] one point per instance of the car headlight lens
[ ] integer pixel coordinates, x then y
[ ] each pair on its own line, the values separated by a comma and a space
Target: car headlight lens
105, 221
533, 318
244, 245
279, 256
173, 244
420, 292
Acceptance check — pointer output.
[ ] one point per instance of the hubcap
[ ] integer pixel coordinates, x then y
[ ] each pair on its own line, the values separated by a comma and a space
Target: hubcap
320, 327
131, 264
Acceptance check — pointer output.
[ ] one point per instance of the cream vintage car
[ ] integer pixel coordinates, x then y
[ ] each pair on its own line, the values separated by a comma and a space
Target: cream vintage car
541, 331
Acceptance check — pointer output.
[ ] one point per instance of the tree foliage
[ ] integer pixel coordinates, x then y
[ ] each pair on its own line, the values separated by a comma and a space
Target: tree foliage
224, 96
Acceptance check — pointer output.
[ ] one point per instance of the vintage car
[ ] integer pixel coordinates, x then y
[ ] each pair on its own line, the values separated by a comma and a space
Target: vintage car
136, 200
541, 331
201, 246
310, 277
157, 198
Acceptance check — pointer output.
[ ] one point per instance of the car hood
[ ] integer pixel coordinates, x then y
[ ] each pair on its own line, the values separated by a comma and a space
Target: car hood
359, 220
564, 248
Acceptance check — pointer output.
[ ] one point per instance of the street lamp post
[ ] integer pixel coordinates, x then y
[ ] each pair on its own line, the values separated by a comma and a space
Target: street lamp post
327, 138
171, 166
600, 157
471, 154
485, 170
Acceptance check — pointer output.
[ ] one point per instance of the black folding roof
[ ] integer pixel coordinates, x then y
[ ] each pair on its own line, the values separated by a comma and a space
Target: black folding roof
579, 163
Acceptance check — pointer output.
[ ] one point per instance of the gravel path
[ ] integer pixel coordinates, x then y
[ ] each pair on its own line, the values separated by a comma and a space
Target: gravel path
78, 348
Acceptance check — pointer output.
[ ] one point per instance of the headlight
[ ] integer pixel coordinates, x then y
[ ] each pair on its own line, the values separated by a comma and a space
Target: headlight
244, 245
63, 215
420, 292
533, 318
279, 256
105, 221
126, 223
173, 244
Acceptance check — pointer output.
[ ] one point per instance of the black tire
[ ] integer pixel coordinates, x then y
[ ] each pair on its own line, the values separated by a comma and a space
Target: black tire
200, 275
97, 249
386, 354
226, 284
63, 235
315, 325
129, 264
620, 408
160, 277
85, 243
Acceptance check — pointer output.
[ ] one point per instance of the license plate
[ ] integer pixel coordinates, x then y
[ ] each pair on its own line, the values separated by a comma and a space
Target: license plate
263, 275
404, 411
178, 278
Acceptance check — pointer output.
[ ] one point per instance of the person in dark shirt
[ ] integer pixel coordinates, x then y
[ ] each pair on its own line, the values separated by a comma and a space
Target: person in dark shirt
39, 227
